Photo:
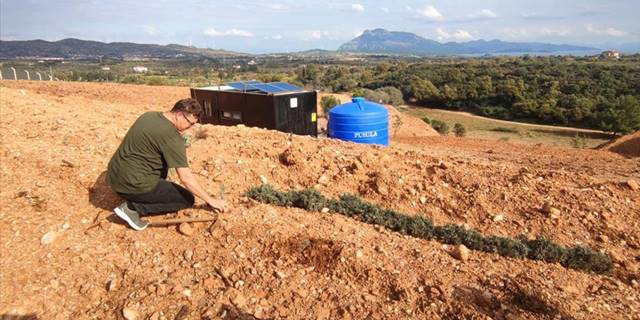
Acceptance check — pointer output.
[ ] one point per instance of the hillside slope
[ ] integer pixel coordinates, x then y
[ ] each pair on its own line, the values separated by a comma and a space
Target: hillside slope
267, 262
627, 145
76, 48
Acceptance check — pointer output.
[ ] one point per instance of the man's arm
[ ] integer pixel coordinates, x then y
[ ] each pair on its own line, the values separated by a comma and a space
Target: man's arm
189, 181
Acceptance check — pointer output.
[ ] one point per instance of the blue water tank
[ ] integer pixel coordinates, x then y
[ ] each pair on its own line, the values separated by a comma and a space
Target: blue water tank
360, 121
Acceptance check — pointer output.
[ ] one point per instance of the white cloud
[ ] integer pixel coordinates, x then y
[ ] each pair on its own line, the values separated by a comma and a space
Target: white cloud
151, 30
275, 37
606, 32
357, 7
519, 33
318, 34
224, 33
442, 35
556, 32
537, 16
483, 14
615, 32
460, 35
385, 10
430, 13
515, 32
276, 6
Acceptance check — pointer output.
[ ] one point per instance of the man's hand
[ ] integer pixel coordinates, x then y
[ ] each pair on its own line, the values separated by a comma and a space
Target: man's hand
189, 181
217, 205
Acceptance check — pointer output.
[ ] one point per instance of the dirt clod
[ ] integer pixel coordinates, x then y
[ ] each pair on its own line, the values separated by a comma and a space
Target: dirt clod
130, 313
289, 157
460, 252
237, 298
550, 210
186, 229
48, 237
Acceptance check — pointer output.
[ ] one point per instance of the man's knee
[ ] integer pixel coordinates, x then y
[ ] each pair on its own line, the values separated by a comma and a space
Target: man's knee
190, 199
186, 195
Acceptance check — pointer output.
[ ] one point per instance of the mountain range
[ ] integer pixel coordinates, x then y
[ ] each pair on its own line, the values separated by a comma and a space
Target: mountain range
394, 42
376, 41
75, 48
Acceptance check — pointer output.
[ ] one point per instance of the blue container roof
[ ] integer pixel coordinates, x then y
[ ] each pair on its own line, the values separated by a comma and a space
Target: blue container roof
358, 106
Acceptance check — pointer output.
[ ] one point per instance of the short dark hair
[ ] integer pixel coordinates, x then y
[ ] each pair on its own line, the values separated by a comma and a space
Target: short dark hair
188, 105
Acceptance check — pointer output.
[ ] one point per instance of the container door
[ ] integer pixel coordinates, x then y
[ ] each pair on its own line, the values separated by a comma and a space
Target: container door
309, 114
295, 114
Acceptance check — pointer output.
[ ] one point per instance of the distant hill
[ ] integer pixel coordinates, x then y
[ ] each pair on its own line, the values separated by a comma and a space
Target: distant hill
632, 47
75, 48
383, 41
316, 53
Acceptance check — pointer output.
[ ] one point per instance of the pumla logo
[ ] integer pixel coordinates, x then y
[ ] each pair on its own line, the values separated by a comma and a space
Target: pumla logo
366, 134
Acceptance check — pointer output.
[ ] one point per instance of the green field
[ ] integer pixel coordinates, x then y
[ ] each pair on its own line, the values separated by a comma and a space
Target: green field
485, 128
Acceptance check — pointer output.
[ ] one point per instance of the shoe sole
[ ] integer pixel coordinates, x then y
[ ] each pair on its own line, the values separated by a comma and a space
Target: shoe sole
122, 215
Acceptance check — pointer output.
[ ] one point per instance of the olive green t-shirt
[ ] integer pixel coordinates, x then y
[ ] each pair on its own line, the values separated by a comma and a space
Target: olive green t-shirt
152, 146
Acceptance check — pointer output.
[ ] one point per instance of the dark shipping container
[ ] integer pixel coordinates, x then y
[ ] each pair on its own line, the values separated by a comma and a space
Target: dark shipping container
293, 110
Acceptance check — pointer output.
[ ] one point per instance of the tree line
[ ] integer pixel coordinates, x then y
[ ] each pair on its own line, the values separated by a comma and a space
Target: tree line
580, 92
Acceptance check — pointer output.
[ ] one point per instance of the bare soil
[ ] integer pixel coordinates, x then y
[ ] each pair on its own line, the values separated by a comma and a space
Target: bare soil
66, 256
628, 145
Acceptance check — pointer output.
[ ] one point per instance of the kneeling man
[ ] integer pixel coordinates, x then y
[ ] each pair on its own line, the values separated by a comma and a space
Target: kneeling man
138, 169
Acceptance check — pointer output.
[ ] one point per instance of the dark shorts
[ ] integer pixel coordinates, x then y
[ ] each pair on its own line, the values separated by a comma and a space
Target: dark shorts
165, 197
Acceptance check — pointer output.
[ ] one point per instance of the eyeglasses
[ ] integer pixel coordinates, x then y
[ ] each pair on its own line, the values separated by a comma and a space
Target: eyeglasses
190, 123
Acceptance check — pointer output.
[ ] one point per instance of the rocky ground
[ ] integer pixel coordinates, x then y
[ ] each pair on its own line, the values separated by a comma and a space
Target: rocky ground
64, 255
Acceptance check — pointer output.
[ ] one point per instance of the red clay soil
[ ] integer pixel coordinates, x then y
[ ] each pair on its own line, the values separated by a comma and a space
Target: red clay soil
628, 145
65, 256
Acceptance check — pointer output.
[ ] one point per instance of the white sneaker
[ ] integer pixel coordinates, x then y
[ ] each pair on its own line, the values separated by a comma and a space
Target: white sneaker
131, 217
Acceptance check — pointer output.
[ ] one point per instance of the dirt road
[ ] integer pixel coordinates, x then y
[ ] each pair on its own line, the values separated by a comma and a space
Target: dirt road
529, 125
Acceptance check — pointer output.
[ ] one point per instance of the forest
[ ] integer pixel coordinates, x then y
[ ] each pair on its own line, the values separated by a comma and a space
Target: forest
585, 92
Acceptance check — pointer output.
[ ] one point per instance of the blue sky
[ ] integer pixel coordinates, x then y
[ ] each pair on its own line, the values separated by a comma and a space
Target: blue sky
292, 25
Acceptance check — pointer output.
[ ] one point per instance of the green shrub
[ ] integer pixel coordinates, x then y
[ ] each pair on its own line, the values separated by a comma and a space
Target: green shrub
545, 250
358, 92
375, 96
131, 79
503, 129
459, 130
397, 123
394, 95
427, 120
271, 77
581, 258
584, 258
155, 81
328, 102
579, 141
385, 95
440, 126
